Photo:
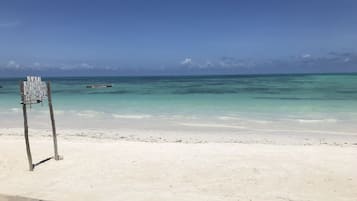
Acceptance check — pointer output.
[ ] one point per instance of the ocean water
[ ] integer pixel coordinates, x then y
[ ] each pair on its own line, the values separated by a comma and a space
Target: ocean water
309, 99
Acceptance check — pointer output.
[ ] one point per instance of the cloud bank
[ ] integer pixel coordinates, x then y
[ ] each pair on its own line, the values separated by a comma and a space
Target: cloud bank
304, 63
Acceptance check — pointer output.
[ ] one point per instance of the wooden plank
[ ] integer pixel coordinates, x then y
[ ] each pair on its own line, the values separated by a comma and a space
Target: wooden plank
54, 134
28, 150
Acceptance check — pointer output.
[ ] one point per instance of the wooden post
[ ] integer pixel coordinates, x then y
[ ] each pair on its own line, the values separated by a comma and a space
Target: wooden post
52, 121
26, 130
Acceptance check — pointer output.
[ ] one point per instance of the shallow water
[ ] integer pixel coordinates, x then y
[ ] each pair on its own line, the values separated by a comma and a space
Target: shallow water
263, 99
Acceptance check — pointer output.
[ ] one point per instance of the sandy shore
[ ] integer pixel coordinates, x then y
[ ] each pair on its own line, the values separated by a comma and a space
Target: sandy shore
95, 169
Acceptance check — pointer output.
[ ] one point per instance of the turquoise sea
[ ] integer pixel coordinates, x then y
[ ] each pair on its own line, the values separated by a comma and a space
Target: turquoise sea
304, 98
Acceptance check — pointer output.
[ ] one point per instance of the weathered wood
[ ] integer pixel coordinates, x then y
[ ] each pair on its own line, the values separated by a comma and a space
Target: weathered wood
28, 150
54, 134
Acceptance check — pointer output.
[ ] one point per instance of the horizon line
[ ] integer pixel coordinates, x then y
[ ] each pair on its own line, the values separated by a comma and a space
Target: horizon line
188, 75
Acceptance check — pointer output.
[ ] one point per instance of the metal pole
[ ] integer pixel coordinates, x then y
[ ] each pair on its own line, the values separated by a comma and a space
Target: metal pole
52, 121
26, 130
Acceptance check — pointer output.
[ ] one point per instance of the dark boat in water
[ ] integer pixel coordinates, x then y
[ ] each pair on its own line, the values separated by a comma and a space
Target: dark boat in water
100, 86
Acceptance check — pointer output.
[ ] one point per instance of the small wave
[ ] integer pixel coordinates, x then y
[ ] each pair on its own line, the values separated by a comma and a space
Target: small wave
59, 111
178, 117
15, 109
261, 121
317, 120
300, 99
118, 116
211, 125
88, 114
205, 91
228, 118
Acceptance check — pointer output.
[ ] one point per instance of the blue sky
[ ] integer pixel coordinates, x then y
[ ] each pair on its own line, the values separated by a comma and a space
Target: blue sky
177, 37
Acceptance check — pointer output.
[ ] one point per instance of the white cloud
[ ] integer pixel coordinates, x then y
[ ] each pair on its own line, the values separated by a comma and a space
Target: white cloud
187, 61
110, 68
86, 66
224, 62
208, 64
305, 56
9, 24
13, 64
36, 64
231, 62
73, 66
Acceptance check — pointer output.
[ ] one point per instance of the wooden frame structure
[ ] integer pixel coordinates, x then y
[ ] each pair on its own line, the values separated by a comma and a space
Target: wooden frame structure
29, 97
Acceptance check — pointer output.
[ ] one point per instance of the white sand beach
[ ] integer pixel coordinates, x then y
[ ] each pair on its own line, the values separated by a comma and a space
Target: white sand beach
104, 169
178, 100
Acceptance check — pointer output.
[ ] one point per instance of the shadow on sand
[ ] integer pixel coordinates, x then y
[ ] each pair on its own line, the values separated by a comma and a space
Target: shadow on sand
16, 198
